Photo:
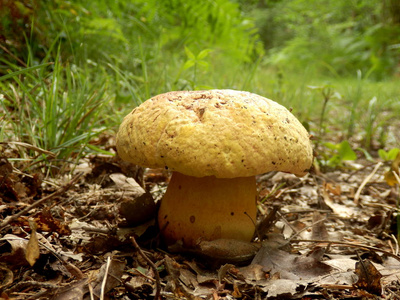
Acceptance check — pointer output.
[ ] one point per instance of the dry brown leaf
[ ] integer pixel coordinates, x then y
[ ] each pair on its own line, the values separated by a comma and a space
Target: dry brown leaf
32, 251
114, 274
223, 270
46, 222
290, 266
369, 278
6, 276
75, 290
140, 286
21, 190
16, 256
283, 288
127, 184
5, 168
319, 231
335, 189
253, 273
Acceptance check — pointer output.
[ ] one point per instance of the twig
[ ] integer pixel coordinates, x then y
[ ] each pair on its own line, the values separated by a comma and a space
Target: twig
13, 56
302, 230
31, 147
103, 284
332, 243
365, 181
143, 275
91, 292
152, 266
19, 172
337, 286
60, 191
29, 284
396, 251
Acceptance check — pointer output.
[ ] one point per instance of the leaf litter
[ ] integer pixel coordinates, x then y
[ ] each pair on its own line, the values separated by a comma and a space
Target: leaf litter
92, 235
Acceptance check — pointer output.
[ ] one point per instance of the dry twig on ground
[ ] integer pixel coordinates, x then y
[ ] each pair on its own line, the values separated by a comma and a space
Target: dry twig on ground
152, 266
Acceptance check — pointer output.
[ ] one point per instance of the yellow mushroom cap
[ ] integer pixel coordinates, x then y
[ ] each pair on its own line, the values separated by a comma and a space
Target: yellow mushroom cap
221, 133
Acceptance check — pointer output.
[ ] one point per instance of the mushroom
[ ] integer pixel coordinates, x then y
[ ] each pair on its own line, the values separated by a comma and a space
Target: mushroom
214, 142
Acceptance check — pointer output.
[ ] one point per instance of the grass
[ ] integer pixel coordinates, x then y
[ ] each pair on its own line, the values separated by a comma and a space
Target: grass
360, 110
61, 107
78, 90
57, 107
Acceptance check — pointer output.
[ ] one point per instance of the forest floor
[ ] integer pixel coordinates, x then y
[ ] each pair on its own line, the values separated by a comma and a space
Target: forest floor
328, 235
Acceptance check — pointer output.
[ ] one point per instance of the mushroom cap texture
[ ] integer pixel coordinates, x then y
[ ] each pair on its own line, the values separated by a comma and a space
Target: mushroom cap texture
221, 133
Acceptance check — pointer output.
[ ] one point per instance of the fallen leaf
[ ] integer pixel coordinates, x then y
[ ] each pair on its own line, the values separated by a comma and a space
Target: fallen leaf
284, 288
7, 191
21, 190
46, 222
5, 168
32, 251
253, 273
335, 189
176, 281
6, 277
319, 231
369, 278
127, 184
14, 251
223, 270
113, 271
290, 266
75, 290
139, 285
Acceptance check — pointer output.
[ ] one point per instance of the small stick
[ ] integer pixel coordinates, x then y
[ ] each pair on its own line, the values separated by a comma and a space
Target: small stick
337, 286
60, 191
365, 181
302, 230
396, 251
91, 291
103, 284
332, 243
13, 56
152, 266
30, 284
31, 147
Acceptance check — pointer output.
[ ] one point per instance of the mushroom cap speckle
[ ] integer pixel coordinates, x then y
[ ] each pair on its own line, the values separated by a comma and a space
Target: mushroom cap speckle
221, 133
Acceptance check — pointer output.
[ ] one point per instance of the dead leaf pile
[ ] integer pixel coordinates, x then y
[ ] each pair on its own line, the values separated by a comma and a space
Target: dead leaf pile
313, 240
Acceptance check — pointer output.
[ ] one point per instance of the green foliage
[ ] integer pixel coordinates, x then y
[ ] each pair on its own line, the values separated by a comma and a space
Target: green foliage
337, 37
323, 59
327, 94
72, 57
336, 154
388, 155
374, 108
196, 61
56, 108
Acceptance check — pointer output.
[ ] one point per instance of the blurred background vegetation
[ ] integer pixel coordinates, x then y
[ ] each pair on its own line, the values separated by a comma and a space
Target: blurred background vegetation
72, 69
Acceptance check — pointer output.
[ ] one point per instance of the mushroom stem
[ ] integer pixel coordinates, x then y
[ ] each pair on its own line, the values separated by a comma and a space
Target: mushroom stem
208, 208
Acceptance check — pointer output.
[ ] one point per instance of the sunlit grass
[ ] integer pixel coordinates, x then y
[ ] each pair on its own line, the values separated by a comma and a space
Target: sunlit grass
59, 108
359, 109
